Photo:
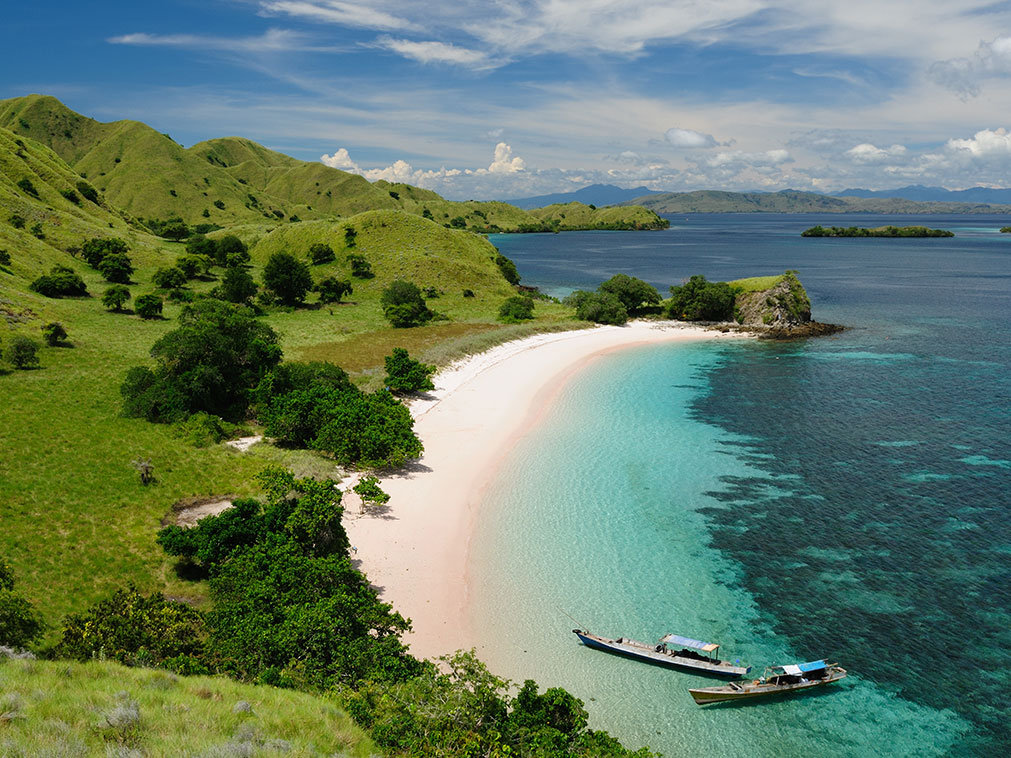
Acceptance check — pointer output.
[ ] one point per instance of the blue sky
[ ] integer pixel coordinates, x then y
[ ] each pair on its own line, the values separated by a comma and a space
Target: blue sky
521, 97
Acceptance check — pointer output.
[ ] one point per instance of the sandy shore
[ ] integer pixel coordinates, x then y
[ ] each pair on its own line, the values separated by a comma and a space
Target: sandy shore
417, 553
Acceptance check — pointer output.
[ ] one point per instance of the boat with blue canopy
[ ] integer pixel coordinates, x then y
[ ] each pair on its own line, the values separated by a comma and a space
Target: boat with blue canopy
673, 651
776, 680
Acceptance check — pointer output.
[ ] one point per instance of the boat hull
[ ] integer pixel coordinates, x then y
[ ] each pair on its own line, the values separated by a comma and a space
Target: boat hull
641, 651
749, 691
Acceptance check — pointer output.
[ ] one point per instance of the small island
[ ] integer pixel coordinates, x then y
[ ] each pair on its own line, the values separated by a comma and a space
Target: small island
879, 231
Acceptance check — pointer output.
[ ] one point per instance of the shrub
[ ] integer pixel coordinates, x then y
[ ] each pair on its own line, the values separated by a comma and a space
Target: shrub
115, 297
350, 236
193, 265
88, 192
54, 333
198, 245
70, 195
370, 492
360, 267
17, 221
116, 267
403, 305
219, 204
5, 258
287, 278
636, 295
459, 222
26, 186
59, 282
237, 286
701, 300
320, 254
95, 249
230, 245
599, 307
332, 289
404, 374
36, 231
22, 353
20, 623
468, 293
517, 308
508, 269
148, 306
176, 230
168, 278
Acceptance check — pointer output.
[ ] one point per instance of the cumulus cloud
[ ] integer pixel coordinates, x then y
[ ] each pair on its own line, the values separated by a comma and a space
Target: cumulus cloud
505, 162
688, 138
868, 153
985, 144
965, 76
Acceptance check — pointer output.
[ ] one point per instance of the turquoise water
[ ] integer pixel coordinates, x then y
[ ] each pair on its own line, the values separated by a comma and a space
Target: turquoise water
845, 497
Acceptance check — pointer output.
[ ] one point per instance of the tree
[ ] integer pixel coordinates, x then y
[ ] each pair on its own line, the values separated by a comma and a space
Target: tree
320, 254
95, 249
404, 374
60, 282
360, 267
599, 307
148, 306
175, 230
116, 267
636, 295
237, 286
54, 333
287, 278
403, 305
116, 297
370, 492
516, 308
194, 265
198, 244
209, 363
168, 278
20, 623
350, 236
508, 269
331, 289
701, 300
230, 245
22, 353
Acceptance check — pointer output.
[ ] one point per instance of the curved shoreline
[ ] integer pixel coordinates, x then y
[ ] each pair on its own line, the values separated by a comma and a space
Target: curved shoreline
417, 551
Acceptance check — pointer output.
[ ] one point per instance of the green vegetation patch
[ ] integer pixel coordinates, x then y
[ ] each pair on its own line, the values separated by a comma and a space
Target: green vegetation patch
878, 231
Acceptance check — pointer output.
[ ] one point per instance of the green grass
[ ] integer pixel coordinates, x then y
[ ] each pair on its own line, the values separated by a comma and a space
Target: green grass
756, 283
104, 709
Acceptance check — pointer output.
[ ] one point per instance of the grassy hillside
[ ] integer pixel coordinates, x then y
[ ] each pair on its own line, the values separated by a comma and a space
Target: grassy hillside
104, 709
792, 201
576, 215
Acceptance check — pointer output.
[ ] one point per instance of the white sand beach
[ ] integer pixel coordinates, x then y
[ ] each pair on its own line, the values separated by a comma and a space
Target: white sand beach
417, 550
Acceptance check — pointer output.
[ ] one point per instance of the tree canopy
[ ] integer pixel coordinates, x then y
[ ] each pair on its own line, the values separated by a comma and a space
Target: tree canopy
287, 278
404, 305
701, 300
636, 295
404, 374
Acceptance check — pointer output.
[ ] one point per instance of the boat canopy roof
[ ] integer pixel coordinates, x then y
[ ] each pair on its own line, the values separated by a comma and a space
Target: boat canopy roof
705, 647
799, 668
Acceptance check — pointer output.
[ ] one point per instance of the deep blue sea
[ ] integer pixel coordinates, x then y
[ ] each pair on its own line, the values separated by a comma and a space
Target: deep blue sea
846, 497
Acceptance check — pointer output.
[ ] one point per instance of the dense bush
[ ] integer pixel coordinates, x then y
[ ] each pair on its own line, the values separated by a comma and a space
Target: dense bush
168, 278
148, 306
26, 186
20, 623
508, 269
115, 297
331, 289
403, 305
87, 191
370, 492
198, 245
287, 278
175, 230
404, 374
59, 282
320, 254
701, 300
237, 286
136, 630
230, 245
209, 363
636, 295
360, 267
116, 268
599, 307
95, 249
194, 265
54, 333
515, 309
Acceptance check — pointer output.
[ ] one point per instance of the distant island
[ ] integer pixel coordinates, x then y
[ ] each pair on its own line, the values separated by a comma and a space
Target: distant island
878, 231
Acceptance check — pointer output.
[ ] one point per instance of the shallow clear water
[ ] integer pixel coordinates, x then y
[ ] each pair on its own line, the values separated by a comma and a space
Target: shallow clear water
844, 497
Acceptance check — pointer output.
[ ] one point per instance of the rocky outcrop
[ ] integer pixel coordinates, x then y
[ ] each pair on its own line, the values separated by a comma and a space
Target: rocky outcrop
780, 311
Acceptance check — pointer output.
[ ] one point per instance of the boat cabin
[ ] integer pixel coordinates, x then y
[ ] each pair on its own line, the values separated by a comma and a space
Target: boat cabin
685, 647
797, 673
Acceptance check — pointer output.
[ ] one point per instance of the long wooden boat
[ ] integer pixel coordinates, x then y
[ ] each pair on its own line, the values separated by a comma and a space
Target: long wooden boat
777, 680
673, 651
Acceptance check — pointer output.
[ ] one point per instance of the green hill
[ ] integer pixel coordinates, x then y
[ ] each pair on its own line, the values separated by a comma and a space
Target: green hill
792, 201
102, 709
576, 215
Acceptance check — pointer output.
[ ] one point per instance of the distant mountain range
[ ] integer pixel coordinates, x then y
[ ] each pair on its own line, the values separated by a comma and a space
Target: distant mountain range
595, 194
935, 194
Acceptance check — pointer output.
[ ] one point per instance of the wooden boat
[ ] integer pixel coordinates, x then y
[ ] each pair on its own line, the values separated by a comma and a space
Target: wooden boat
673, 651
777, 680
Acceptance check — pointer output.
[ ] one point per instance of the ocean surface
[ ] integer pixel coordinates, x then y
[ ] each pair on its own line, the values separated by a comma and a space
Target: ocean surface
847, 497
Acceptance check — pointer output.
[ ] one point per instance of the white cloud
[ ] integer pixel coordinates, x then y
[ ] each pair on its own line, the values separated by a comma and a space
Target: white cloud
737, 159
984, 145
358, 15
868, 153
436, 52
505, 162
270, 41
965, 76
342, 160
688, 138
